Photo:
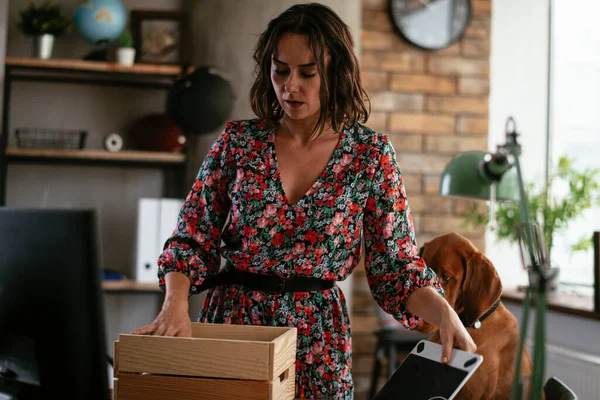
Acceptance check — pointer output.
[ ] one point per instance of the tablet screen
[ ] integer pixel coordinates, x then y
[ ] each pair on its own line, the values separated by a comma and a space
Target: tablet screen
420, 378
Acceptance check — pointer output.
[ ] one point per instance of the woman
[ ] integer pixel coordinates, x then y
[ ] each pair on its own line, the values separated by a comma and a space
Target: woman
302, 185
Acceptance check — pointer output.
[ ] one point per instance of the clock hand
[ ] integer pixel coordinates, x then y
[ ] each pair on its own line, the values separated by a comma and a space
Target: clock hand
425, 3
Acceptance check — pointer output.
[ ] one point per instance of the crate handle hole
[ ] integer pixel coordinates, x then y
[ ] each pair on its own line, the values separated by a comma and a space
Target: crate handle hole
284, 376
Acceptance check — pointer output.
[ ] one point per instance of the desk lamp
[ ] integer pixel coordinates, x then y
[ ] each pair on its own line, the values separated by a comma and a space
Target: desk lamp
497, 176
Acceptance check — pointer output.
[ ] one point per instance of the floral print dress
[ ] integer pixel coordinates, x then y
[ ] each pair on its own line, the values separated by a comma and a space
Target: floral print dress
237, 210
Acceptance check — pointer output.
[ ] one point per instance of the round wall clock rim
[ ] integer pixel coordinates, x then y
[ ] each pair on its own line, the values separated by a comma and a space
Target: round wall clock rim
429, 48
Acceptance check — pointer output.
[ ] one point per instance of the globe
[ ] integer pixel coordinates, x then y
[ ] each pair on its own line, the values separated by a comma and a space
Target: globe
100, 21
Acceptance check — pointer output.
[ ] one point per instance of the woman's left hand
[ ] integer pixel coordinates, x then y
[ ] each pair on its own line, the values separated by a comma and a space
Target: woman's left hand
433, 308
454, 335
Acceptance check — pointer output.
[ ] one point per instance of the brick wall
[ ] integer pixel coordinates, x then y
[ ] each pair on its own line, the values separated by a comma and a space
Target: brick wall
432, 104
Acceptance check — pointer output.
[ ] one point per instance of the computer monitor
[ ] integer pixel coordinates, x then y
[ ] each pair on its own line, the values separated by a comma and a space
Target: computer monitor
52, 338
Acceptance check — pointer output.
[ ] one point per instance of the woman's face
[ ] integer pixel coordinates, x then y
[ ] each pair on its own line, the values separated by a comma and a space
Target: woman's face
295, 77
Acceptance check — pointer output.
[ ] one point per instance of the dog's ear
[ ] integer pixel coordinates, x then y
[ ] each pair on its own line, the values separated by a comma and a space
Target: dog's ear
481, 289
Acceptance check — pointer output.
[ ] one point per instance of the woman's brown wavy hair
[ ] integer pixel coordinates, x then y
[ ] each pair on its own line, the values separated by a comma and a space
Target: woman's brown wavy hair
343, 99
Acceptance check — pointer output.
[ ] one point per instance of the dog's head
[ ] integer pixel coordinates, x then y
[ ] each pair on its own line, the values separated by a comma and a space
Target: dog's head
470, 281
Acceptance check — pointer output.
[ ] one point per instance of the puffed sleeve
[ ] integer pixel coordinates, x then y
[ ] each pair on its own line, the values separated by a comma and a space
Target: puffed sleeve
393, 266
193, 248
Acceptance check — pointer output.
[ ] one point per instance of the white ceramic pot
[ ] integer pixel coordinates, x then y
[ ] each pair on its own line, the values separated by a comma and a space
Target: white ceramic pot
43, 46
126, 56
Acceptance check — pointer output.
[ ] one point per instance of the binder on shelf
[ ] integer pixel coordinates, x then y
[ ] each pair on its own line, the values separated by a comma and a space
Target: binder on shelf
156, 221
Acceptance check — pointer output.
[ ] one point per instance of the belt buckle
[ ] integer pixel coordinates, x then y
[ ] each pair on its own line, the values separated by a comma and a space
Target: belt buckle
280, 285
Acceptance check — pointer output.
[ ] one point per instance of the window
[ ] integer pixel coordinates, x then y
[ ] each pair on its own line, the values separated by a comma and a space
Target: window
575, 123
564, 108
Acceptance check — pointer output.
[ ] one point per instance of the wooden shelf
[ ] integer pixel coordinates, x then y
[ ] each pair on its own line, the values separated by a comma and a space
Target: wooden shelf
129, 286
92, 66
94, 156
150, 76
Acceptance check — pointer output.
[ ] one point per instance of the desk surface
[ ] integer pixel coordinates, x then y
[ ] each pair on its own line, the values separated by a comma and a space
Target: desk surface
126, 285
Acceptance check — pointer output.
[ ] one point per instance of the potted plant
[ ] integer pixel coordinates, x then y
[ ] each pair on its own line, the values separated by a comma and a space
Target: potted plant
125, 50
552, 211
44, 23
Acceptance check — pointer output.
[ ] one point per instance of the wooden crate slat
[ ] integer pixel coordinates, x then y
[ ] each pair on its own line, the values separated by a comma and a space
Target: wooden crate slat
283, 352
284, 386
238, 332
194, 357
159, 387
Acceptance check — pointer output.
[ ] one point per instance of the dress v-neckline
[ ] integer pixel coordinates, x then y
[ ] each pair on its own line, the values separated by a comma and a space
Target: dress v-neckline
322, 175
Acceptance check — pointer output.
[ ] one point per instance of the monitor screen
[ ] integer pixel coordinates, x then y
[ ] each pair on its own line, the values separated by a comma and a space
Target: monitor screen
52, 337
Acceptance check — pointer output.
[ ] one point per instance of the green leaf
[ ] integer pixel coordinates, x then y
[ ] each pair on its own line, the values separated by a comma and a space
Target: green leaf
125, 40
47, 18
584, 244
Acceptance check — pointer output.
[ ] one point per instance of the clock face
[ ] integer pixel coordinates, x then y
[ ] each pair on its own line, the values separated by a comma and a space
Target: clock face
431, 24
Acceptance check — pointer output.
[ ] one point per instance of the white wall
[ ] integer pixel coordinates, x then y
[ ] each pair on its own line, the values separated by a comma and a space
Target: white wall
518, 88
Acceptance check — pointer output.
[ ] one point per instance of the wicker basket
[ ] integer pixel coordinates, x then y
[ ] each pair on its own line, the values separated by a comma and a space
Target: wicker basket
43, 138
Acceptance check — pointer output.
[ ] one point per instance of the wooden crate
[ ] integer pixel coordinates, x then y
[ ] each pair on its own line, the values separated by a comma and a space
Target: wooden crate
217, 362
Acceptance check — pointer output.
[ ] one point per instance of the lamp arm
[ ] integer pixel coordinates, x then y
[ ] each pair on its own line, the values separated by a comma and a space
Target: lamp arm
538, 278
526, 225
517, 388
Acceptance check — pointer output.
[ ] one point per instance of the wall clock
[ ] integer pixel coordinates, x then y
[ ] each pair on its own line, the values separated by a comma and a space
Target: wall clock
431, 24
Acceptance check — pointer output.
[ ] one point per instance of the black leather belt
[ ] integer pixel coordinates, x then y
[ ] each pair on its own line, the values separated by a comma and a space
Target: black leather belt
265, 283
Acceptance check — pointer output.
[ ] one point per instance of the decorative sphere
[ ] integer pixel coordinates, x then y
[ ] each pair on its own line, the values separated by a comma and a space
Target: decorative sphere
201, 101
100, 21
157, 132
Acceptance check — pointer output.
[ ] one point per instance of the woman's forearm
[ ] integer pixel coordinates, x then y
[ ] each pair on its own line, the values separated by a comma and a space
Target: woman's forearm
177, 290
426, 303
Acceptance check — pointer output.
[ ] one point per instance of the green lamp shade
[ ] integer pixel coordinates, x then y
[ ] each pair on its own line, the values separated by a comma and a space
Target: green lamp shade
464, 177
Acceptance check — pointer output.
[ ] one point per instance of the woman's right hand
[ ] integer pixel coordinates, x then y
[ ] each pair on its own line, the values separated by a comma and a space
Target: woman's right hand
173, 320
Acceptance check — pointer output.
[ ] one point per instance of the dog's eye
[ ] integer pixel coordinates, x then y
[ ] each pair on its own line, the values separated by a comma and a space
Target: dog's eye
445, 278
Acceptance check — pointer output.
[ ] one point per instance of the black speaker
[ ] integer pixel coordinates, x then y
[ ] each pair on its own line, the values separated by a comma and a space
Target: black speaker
200, 101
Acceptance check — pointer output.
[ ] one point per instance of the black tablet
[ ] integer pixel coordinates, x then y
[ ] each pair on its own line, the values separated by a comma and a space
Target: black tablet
422, 376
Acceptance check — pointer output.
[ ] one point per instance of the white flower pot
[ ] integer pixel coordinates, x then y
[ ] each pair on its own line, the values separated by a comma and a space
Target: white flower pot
126, 56
43, 46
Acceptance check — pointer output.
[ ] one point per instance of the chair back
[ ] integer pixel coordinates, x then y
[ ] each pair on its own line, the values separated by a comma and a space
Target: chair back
555, 389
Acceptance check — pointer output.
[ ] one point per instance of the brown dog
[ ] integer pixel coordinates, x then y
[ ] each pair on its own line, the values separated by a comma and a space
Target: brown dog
473, 288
